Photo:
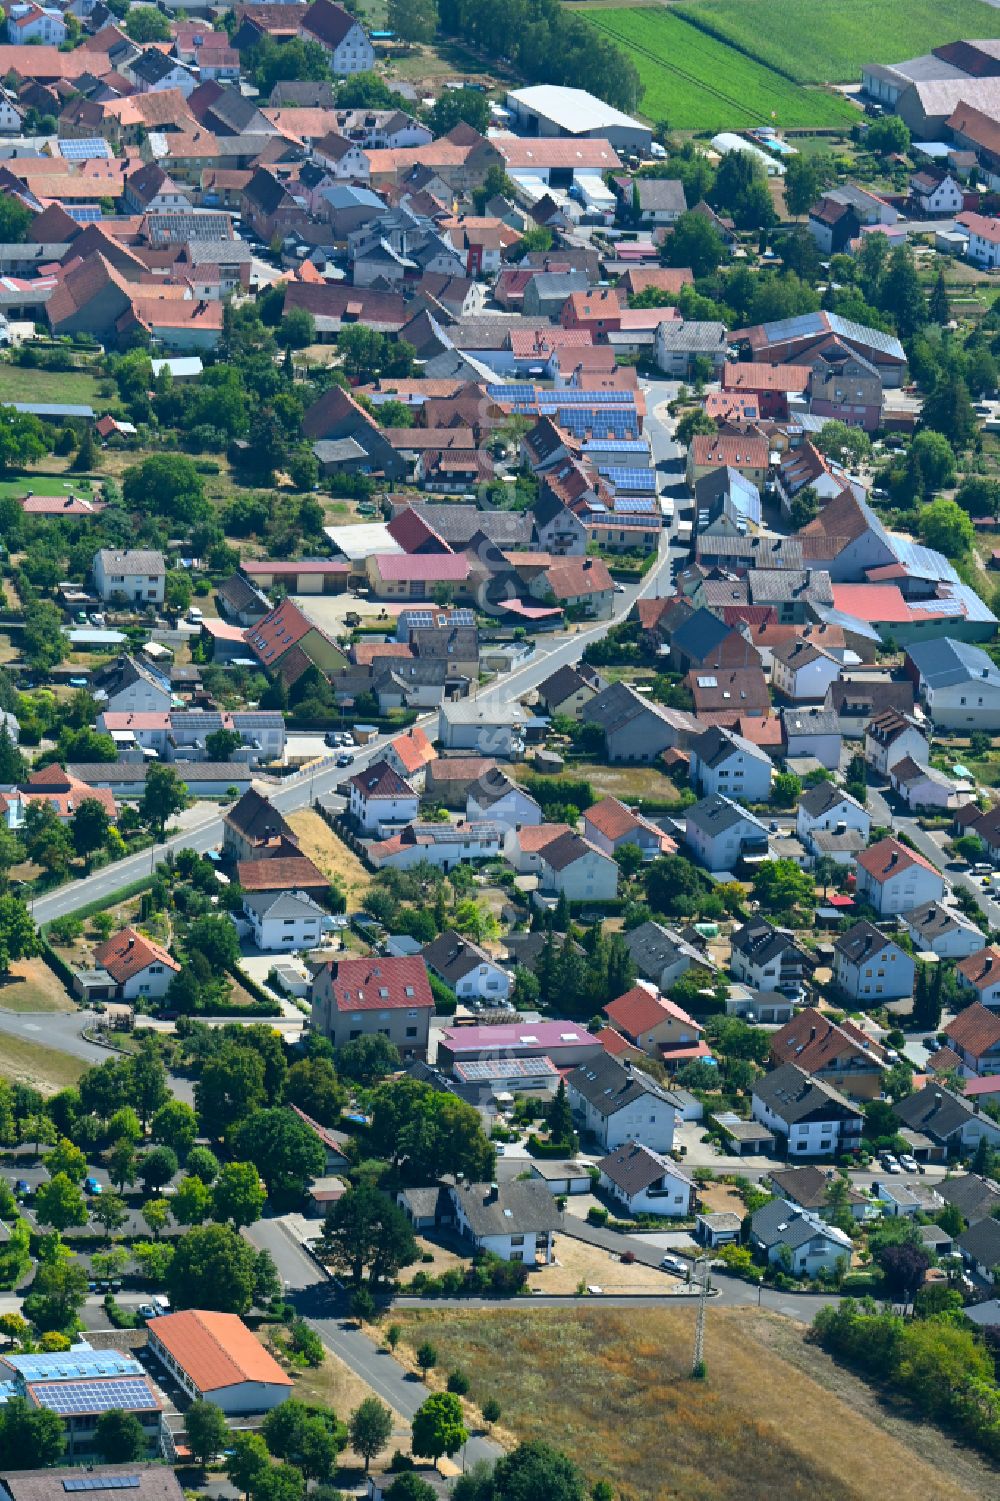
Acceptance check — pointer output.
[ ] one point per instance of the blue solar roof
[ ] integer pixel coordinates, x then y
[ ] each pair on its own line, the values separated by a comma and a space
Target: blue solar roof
74, 1365
636, 504
641, 481
102, 1483
84, 214
604, 445
82, 151
129, 1394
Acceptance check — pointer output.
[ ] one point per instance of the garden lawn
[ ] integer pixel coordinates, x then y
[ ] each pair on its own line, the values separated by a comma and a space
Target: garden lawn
612, 1388
46, 484
831, 43
695, 82
75, 387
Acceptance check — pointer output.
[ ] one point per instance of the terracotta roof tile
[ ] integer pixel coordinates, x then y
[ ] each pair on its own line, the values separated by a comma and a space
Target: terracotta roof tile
216, 1350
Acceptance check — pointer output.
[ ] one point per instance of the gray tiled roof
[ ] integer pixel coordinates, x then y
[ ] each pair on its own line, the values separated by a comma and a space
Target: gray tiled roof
793, 1095
610, 1086
518, 1208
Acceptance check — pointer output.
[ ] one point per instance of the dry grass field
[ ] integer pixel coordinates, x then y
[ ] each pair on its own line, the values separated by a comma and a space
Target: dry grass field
32, 986
45, 1069
318, 841
612, 1387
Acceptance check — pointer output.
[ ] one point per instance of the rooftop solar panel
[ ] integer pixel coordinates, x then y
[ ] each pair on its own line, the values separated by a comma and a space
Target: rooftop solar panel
128, 1393
102, 1483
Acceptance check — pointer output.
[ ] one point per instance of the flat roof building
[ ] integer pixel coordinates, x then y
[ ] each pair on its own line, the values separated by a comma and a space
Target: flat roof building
547, 109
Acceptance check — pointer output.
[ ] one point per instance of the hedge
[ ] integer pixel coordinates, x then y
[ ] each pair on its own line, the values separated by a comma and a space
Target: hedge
88, 909
555, 1149
546, 792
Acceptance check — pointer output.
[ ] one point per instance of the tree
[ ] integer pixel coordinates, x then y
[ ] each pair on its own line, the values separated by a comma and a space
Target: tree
979, 495
297, 329
559, 1117
366, 1230
163, 795
427, 1357
430, 1132
413, 20
122, 1164
15, 218
203, 1164
206, 1431
313, 1085
904, 1266
43, 641
282, 1148
18, 934
213, 1267
60, 1203
693, 422
157, 1168
29, 1436
888, 136
193, 1202
948, 408
785, 789
849, 445
57, 1294
437, 1427
110, 1211
536, 1472
460, 107
119, 1437
156, 1213
87, 457
782, 888
280, 1483
166, 486
248, 1459
801, 183
370, 1429
216, 939
491, 1411
902, 293
220, 744
175, 1125
409, 1486
238, 1195
231, 1086
367, 1059
741, 191
945, 526
144, 23
13, 766
695, 242
306, 1437
805, 506
23, 439
937, 304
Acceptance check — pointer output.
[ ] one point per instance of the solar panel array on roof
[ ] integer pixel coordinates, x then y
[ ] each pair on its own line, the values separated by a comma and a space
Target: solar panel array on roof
446, 833
84, 213
129, 1394
639, 481
612, 422
419, 620
83, 151
102, 1483
74, 1365
635, 504
602, 445
175, 228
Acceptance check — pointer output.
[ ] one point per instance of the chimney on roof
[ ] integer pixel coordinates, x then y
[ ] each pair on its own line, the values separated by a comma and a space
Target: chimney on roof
812, 1034
131, 943
493, 1194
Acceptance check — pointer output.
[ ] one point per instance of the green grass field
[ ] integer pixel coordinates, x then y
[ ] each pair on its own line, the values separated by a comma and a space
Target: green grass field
46, 484
695, 82
76, 387
830, 42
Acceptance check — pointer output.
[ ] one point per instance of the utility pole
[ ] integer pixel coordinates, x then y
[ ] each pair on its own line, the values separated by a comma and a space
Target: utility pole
698, 1364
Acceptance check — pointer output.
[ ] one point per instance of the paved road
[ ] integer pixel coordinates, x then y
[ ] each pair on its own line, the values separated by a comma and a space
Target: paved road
885, 809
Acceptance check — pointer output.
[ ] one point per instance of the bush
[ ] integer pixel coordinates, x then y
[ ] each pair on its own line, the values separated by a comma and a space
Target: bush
458, 1382
596, 1215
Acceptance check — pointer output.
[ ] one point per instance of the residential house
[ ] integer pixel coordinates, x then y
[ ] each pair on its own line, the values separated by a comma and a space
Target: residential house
443, 845
609, 825
283, 921
34, 25
379, 796
958, 682
723, 762
984, 239
980, 1248
749, 454
809, 1188
410, 754
924, 787
660, 954
287, 643
573, 867
721, 834
892, 736
515, 1221
656, 1025
684, 346
936, 193
214, 1358
893, 878
700, 639
63, 791
974, 1034
788, 1234
813, 1118
580, 584
646, 1182
283, 872
128, 686
617, 1103
138, 967
768, 958
494, 796
635, 729
568, 690
486, 725
341, 35
803, 671
729, 694
870, 967
374, 996
137, 575
954, 1125
981, 973
467, 969
828, 807
253, 829
944, 931
976, 1198
811, 732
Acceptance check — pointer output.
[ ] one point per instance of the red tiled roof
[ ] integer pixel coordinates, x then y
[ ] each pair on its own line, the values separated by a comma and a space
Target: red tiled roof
812, 1042
888, 858
283, 628
380, 780
535, 837
727, 449
756, 378
280, 873
414, 749
380, 984
981, 970
573, 577
65, 792
614, 1043
639, 1010
128, 953
422, 567
975, 1029
216, 1350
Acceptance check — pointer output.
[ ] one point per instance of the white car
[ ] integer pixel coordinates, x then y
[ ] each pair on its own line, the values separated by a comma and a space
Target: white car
908, 1163
889, 1164
675, 1264
147, 1311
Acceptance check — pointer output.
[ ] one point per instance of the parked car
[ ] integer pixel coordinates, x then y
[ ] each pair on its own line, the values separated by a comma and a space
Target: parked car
345, 759
675, 1264
147, 1311
91, 1186
889, 1163
908, 1163
23, 1188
